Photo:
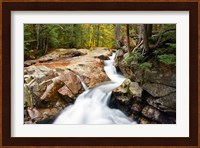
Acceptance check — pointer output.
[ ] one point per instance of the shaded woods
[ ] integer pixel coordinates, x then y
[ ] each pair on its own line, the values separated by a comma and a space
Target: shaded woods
64, 60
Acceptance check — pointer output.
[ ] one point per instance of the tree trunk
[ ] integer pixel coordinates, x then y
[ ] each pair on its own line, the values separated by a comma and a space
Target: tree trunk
141, 33
90, 35
149, 30
38, 36
135, 29
98, 26
46, 45
128, 40
145, 38
117, 35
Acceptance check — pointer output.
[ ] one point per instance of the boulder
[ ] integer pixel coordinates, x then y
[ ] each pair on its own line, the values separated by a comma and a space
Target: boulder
126, 97
50, 93
43, 85
101, 53
162, 74
157, 73
54, 81
102, 57
155, 115
165, 104
135, 89
137, 107
71, 81
40, 73
65, 92
132, 89
90, 70
118, 57
123, 88
29, 62
60, 53
143, 120
158, 90
40, 114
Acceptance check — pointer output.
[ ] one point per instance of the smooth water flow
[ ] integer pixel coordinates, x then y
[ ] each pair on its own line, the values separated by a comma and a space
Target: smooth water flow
91, 106
82, 83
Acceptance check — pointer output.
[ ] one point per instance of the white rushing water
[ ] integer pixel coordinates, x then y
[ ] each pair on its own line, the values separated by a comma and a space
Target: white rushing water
91, 107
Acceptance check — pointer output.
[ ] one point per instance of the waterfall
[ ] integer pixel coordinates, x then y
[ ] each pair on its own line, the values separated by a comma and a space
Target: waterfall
82, 83
91, 107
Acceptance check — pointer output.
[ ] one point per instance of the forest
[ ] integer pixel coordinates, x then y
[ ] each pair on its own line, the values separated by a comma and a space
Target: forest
99, 73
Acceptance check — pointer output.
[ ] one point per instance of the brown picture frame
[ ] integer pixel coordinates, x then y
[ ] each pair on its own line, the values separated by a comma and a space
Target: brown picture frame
7, 7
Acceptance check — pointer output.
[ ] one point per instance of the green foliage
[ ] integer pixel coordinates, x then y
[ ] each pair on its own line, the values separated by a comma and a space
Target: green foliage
171, 45
169, 59
153, 38
168, 26
159, 51
169, 37
42, 37
136, 56
145, 66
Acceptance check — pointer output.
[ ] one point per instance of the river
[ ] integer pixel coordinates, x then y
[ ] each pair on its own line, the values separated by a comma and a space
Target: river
91, 107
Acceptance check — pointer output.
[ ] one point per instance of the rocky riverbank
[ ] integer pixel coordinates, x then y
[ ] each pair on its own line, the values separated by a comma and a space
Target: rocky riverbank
148, 95
54, 81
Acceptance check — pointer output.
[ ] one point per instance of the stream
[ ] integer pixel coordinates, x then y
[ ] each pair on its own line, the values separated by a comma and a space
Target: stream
91, 107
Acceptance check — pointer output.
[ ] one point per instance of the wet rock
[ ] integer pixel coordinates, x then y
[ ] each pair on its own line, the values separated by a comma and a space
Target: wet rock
129, 70
71, 88
137, 107
40, 73
50, 93
34, 114
27, 96
118, 57
155, 115
44, 87
101, 53
123, 88
39, 88
60, 53
162, 74
123, 99
122, 103
125, 95
71, 81
65, 92
90, 70
135, 89
143, 120
29, 63
158, 73
53, 83
165, 104
102, 57
38, 115
158, 90
129, 88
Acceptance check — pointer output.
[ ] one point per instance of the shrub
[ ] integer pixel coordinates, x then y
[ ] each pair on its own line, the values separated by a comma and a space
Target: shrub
169, 59
136, 56
171, 45
145, 66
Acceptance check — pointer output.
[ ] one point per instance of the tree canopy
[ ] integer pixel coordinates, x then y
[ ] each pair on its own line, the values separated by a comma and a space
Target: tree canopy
42, 38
